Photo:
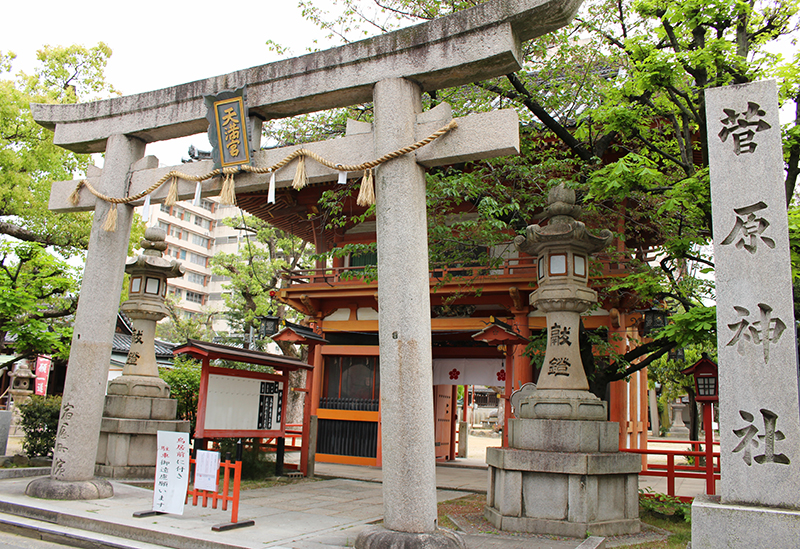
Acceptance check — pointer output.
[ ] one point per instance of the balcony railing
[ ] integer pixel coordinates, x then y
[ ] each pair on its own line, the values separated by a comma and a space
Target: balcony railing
517, 267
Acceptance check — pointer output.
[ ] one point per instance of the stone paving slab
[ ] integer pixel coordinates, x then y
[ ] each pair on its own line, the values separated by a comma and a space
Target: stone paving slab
318, 519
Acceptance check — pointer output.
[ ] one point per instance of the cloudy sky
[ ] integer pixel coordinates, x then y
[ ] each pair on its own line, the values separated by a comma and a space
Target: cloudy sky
163, 43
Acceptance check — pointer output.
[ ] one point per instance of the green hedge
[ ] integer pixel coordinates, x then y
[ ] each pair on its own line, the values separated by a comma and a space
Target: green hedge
39, 421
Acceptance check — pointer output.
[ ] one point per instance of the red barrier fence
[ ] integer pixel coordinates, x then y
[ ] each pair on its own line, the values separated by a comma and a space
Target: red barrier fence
708, 471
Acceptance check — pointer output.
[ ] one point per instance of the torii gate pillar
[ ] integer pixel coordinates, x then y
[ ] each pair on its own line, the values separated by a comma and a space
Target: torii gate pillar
75, 452
404, 315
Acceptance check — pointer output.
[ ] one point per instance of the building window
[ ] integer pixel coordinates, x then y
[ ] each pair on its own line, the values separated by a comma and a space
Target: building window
178, 212
165, 208
197, 259
199, 240
202, 222
163, 225
194, 297
195, 278
207, 205
352, 377
176, 293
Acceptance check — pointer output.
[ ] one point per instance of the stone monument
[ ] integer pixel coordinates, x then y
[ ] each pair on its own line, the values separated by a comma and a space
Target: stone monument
392, 70
759, 501
137, 403
563, 473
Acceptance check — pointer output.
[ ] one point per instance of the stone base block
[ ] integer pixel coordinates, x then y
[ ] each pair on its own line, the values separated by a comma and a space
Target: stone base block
560, 527
570, 463
716, 525
49, 488
136, 407
377, 537
127, 447
125, 472
563, 493
552, 435
144, 386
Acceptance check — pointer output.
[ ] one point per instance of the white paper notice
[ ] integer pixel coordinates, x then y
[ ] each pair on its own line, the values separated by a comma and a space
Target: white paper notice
206, 470
172, 472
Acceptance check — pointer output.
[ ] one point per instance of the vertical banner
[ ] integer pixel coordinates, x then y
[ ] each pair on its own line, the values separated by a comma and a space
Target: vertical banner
43, 363
206, 470
172, 472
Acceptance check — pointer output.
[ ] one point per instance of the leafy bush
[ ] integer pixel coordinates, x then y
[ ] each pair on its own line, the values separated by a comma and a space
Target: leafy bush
39, 421
184, 383
664, 505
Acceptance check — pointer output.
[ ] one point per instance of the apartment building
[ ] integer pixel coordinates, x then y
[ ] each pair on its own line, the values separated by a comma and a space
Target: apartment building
195, 233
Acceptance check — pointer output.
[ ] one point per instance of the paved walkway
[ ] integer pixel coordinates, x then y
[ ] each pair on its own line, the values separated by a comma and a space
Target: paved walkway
312, 515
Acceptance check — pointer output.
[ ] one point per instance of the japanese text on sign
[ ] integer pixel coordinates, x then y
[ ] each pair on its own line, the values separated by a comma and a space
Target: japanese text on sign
231, 132
172, 472
742, 126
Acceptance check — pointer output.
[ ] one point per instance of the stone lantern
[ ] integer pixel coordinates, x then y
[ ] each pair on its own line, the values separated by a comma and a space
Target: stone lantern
562, 247
145, 307
21, 383
562, 472
137, 403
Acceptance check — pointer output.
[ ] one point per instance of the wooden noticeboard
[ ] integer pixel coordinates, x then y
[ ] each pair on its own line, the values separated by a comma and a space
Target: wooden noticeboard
240, 403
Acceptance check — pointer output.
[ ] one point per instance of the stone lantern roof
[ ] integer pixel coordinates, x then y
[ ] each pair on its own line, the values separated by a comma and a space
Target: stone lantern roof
563, 229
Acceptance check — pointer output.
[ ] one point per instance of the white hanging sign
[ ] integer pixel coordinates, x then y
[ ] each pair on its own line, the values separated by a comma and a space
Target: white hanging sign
206, 470
172, 472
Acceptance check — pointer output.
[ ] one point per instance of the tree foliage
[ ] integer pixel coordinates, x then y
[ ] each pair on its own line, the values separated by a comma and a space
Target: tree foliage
183, 379
613, 105
39, 421
255, 271
38, 294
29, 161
38, 290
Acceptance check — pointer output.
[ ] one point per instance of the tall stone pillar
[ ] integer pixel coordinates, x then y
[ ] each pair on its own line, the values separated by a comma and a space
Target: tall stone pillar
409, 463
759, 421
75, 450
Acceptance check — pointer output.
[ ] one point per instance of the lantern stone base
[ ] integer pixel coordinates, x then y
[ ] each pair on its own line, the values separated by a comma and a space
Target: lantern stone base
143, 386
128, 435
567, 480
560, 404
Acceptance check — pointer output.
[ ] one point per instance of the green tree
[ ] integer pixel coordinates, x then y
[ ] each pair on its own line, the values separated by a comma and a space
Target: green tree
39, 421
29, 161
254, 273
183, 379
38, 289
612, 104
178, 327
38, 295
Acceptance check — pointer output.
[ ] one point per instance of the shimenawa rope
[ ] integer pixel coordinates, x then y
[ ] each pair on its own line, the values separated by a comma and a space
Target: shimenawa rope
366, 195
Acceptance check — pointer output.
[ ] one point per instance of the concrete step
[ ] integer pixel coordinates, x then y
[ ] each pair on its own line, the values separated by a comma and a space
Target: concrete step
65, 535
79, 531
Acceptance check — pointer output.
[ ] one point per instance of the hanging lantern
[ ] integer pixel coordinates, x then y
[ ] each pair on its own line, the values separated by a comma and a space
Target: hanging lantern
269, 325
654, 320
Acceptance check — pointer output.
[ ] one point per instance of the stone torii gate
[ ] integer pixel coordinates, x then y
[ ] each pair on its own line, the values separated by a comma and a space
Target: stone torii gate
392, 70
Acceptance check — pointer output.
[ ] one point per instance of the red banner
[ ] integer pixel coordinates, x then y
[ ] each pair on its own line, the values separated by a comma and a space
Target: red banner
43, 363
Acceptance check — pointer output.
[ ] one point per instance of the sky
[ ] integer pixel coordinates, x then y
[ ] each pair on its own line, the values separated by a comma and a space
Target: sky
157, 44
